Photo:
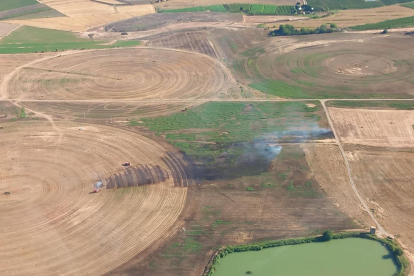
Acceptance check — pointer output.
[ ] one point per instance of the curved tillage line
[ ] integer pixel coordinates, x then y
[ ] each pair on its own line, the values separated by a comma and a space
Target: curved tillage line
52, 225
139, 73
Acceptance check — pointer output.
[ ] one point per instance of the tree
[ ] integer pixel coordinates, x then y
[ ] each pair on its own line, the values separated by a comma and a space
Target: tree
398, 251
323, 29
333, 26
385, 31
327, 235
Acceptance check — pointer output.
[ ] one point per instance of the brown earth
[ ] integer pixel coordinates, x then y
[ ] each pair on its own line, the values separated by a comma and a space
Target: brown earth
225, 212
385, 128
6, 29
139, 73
50, 222
384, 177
191, 41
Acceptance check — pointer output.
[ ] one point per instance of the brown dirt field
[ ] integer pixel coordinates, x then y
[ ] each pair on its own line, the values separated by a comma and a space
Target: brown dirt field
8, 63
385, 179
224, 212
191, 41
270, 19
178, 4
347, 18
385, 128
139, 73
107, 112
328, 168
51, 225
6, 29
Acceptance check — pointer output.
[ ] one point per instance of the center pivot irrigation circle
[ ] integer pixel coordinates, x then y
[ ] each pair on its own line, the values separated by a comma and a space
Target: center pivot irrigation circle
130, 74
51, 224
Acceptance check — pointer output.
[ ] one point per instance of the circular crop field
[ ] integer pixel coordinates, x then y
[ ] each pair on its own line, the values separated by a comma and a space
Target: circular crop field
51, 223
351, 68
130, 74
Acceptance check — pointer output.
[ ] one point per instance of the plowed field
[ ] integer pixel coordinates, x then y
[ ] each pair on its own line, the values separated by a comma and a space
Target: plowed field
121, 74
387, 128
52, 225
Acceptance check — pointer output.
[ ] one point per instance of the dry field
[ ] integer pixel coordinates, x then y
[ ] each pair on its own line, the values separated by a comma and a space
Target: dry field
50, 222
6, 29
385, 178
224, 212
340, 65
384, 128
138, 74
83, 15
191, 41
347, 18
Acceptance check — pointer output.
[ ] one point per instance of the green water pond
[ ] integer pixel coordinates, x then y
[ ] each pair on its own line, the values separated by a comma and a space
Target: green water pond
342, 257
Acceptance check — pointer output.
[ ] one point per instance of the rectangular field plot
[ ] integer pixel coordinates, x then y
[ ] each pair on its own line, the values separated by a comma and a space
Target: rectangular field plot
385, 179
388, 128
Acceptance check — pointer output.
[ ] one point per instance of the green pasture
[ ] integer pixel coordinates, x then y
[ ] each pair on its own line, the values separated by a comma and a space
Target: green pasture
6, 5
387, 24
30, 39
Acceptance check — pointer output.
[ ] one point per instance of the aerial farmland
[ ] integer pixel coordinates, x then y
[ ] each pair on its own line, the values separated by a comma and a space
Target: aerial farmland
160, 137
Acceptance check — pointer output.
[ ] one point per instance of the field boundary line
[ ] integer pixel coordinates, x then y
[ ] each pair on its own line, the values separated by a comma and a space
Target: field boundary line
381, 230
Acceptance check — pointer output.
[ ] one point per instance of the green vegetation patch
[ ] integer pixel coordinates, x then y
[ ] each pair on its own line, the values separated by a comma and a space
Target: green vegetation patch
6, 5
409, 5
343, 4
216, 8
227, 139
192, 9
249, 9
387, 24
280, 88
400, 105
30, 39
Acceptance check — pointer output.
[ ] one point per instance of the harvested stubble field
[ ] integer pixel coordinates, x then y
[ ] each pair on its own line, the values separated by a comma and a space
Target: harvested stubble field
140, 73
385, 179
51, 224
337, 65
384, 128
191, 41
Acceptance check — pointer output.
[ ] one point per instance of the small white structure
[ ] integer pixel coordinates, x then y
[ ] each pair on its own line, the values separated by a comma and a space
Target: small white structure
372, 230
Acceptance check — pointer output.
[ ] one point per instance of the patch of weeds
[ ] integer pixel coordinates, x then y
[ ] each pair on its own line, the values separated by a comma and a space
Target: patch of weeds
151, 264
308, 183
249, 189
268, 185
192, 245
283, 176
133, 122
290, 187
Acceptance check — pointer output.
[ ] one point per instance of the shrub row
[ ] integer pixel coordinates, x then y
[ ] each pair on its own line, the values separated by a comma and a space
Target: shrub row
392, 245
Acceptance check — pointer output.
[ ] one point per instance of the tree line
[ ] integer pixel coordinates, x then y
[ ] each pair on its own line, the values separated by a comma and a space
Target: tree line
286, 30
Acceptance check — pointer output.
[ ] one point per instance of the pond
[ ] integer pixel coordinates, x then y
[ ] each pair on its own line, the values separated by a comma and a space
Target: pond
342, 257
